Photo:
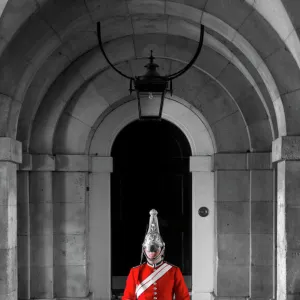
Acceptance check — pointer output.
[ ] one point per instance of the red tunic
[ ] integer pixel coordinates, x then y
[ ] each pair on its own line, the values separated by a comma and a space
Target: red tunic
170, 284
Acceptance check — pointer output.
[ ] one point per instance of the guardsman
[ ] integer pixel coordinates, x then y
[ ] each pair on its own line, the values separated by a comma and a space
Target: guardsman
155, 279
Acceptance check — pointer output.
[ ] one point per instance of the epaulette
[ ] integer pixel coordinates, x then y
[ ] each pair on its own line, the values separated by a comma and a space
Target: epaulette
171, 264
138, 266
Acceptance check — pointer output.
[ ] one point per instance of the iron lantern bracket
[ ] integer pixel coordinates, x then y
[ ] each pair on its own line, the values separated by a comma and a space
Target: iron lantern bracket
152, 81
151, 66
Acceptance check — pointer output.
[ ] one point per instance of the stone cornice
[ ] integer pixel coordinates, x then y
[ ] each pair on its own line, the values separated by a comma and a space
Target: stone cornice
10, 150
66, 163
85, 163
286, 148
242, 161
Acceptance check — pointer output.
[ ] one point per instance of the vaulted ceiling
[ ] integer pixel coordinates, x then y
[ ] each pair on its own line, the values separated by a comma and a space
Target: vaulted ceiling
56, 86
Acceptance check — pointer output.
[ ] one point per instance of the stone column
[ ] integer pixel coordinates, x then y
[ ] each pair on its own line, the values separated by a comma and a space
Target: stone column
52, 227
286, 153
99, 227
262, 226
70, 190
233, 225
41, 227
203, 244
245, 226
10, 155
23, 228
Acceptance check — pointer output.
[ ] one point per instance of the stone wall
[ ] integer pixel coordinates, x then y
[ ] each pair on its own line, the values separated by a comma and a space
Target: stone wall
53, 217
245, 226
10, 156
52, 228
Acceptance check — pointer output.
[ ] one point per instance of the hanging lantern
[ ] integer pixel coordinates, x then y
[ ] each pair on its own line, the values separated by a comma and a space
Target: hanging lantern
151, 87
150, 91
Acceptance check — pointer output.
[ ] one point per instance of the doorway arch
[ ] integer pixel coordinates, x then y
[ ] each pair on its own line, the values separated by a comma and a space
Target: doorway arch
194, 127
150, 170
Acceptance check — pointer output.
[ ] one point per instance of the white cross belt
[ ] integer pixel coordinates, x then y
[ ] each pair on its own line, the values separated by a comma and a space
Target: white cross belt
158, 273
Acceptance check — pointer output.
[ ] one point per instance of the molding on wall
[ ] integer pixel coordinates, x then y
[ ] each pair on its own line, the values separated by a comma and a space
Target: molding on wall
104, 164
243, 161
10, 150
286, 148
201, 163
66, 163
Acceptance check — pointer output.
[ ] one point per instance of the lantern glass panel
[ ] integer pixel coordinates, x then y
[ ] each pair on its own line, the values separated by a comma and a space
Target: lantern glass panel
150, 104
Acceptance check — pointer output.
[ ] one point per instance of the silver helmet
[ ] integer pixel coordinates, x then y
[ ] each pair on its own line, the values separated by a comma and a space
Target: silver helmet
153, 240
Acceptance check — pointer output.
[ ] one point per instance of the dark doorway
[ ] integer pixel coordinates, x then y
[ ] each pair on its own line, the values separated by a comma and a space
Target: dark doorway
151, 170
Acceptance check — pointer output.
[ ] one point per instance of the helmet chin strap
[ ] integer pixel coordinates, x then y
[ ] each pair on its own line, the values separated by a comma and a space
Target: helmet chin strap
155, 261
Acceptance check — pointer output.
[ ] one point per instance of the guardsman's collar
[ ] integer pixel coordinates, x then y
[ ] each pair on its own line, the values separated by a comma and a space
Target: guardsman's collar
155, 265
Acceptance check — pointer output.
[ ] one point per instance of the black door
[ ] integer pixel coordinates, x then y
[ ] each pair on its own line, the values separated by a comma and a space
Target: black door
151, 170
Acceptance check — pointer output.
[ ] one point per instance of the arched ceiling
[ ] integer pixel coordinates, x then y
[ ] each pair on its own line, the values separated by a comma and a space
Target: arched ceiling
56, 85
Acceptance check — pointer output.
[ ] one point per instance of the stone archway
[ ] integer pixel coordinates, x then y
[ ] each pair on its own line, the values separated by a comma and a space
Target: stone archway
201, 141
